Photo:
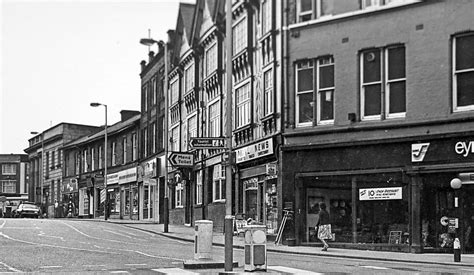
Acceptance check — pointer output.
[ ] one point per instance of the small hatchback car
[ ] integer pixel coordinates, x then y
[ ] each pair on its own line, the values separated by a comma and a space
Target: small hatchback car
27, 210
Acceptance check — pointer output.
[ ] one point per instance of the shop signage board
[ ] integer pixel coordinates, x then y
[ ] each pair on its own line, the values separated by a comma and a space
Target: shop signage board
207, 143
179, 159
112, 178
387, 193
128, 175
445, 150
254, 151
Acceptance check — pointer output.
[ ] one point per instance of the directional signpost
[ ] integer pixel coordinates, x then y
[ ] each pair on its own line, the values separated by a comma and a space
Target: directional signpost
207, 143
181, 159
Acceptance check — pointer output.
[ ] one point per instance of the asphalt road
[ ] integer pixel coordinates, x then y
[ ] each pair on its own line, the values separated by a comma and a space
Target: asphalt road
68, 246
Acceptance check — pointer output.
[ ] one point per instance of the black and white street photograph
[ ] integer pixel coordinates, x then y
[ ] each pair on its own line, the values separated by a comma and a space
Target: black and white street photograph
237, 137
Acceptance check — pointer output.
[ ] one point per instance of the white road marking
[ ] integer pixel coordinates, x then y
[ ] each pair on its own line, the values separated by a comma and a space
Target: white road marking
119, 271
55, 246
56, 237
50, 266
3, 224
94, 265
374, 267
290, 270
173, 271
135, 264
10, 268
116, 233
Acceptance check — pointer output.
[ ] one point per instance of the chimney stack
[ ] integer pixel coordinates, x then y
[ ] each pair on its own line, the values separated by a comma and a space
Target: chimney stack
143, 65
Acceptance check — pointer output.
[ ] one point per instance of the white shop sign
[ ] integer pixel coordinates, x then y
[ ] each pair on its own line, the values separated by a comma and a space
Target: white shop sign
129, 175
112, 178
388, 193
259, 149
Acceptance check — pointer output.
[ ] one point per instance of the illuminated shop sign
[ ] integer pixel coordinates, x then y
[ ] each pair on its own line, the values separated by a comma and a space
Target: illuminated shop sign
447, 150
388, 193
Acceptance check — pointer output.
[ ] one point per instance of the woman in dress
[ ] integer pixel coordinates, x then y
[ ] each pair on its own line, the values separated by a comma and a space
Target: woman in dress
324, 226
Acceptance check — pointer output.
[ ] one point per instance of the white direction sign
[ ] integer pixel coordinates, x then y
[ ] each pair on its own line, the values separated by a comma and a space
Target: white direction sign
181, 159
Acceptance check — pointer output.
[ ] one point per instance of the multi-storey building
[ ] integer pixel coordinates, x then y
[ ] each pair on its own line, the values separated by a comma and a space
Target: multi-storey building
197, 109
84, 168
46, 162
13, 182
380, 121
151, 142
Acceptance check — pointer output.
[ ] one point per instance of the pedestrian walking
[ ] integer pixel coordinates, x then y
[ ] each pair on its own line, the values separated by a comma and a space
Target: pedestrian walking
324, 226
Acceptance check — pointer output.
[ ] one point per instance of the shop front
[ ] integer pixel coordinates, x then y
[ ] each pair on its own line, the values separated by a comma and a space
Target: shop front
258, 180
147, 173
386, 196
128, 186
70, 198
113, 195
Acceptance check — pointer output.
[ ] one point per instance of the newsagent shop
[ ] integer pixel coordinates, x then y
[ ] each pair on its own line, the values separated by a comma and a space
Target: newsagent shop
412, 196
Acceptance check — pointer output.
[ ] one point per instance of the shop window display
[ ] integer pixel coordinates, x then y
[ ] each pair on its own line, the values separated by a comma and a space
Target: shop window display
381, 208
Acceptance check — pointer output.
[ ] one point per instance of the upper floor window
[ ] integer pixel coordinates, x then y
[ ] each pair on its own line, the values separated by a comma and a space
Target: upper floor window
214, 120
101, 158
192, 127
53, 159
174, 90
463, 72
92, 159
84, 161
174, 139
153, 138
312, 9
239, 36
114, 153
124, 150
383, 83
78, 163
367, 4
218, 180
315, 92
242, 103
199, 188
145, 97
268, 98
266, 16
145, 142
211, 59
134, 147
153, 91
9, 169
8, 186
189, 78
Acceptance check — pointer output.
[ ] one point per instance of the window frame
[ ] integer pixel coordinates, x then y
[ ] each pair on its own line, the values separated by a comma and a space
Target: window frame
210, 59
12, 169
179, 192
267, 19
214, 121
455, 73
124, 150
101, 158
243, 106
134, 147
384, 83
240, 35
174, 142
114, 153
174, 91
268, 93
218, 178
310, 65
84, 161
199, 188
11, 184
189, 78
319, 90
92, 159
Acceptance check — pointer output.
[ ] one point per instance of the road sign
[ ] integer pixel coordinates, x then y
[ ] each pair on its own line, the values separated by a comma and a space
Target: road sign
181, 159
177, 177
207, 143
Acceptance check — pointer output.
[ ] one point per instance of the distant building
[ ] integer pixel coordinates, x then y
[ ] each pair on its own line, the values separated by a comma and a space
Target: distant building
46, 162
84, 167
13, 181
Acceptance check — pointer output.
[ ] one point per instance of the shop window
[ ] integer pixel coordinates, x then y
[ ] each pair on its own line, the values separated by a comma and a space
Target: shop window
8, 186
383, 83
463, 72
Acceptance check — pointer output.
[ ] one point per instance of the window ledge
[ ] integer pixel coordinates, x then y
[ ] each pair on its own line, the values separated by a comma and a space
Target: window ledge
329, 18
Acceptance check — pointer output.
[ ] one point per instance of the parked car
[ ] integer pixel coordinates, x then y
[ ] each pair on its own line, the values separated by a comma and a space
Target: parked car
27, 210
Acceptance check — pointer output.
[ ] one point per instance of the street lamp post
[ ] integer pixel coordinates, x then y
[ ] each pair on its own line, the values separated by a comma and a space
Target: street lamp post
148, 42
106, 203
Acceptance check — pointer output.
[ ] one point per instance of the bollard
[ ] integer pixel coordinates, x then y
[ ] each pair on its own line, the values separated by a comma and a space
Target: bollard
457, 250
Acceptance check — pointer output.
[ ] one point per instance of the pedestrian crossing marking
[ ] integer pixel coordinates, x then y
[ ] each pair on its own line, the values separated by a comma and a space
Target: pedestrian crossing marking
290, 270
174, 271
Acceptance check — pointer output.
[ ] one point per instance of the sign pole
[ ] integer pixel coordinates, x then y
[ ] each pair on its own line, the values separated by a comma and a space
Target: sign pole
228, 223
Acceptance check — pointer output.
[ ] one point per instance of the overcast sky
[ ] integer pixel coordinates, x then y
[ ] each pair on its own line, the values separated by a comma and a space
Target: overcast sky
57, 56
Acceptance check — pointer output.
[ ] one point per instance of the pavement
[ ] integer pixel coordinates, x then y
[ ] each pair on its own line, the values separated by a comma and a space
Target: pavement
186, 233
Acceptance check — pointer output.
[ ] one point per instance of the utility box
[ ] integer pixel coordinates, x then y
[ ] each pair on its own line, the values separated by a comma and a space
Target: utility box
255, 248
202, 239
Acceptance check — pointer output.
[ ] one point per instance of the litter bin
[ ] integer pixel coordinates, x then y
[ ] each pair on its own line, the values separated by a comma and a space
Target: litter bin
202, 239
255, 248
